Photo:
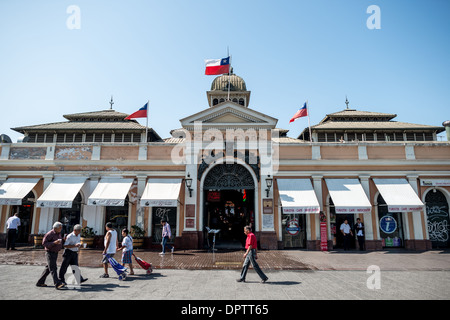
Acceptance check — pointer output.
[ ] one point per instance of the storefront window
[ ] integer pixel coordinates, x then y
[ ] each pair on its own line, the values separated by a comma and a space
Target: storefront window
170, 215
294, 230
69, 217
391, 226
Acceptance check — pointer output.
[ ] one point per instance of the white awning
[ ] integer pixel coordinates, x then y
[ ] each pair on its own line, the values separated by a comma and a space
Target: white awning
161, 193
110, 192
61, 192
15, 189
399, 195
348, 196
297, 196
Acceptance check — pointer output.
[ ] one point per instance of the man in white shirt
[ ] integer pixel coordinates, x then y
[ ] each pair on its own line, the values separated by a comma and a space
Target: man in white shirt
70, 256
11, 226
347, 233
111, 244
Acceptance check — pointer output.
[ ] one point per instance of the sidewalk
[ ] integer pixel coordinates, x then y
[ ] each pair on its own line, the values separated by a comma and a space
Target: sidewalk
201, 275
268, 260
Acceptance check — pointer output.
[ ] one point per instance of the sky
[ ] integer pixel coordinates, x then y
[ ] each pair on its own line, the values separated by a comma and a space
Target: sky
286, 51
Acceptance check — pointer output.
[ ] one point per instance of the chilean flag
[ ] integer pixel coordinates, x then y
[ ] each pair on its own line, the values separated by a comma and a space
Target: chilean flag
141, 113
302, 112
217, 66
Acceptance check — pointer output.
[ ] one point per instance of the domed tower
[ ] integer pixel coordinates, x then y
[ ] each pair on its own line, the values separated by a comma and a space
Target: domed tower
237, 88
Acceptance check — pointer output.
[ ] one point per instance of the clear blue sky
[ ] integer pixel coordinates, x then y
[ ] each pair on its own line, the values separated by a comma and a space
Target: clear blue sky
286, 51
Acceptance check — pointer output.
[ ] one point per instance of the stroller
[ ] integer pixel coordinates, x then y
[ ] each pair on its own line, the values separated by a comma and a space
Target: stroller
144, 265
118, 268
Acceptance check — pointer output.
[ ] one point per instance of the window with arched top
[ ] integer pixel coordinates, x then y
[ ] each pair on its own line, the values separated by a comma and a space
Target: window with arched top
215, 101
241, 102
69, 217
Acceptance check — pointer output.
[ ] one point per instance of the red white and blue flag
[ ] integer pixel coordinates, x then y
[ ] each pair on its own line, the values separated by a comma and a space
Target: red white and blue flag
217, 66
141, 113
302, 112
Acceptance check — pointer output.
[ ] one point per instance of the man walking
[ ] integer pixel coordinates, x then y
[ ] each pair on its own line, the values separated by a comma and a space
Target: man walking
347, 233
52, 243
250, 256
166, 235
11, 226
70, 255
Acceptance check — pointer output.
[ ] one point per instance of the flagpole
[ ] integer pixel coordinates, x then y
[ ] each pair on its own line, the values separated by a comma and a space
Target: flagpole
229, 74
309, 123
146, 123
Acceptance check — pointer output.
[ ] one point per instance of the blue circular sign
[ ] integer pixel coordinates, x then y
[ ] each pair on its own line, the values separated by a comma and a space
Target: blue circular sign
388, 224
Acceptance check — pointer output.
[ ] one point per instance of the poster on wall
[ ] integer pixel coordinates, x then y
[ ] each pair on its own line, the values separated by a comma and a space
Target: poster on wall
267, 222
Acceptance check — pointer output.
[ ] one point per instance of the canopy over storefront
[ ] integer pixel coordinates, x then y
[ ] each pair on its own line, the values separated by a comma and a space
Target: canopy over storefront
297, 196
110, 192
15, 189
161, 193
61, 192
399, 195
348, 196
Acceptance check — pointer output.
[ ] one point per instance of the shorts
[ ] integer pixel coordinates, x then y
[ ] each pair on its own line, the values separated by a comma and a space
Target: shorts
105, 258
126, 256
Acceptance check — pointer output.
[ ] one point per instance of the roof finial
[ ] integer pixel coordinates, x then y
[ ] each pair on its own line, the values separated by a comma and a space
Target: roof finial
111, 102
346, 101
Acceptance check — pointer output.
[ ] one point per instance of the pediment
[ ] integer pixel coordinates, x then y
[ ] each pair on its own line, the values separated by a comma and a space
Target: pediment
229, 114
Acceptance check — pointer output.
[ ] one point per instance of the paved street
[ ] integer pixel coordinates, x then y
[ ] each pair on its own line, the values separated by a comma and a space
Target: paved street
335, 275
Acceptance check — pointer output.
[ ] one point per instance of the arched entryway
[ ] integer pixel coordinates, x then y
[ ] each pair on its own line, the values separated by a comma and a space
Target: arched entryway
25, 210
118, 216
229, 197
438, 218
69, 217
390, 225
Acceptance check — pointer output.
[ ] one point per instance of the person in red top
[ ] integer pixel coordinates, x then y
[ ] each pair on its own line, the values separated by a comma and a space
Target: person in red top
250, 256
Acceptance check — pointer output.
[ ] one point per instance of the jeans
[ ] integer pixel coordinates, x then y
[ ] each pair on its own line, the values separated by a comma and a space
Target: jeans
50, 268
164, 244
251, 258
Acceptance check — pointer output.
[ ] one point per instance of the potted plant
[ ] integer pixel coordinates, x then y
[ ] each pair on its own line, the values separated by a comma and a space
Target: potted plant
137, 233
38, 238
87, 237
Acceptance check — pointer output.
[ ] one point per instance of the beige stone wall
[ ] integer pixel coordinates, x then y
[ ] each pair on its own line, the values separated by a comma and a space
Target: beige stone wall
119, 153
432, 152
339, 152
297, 152
386, 152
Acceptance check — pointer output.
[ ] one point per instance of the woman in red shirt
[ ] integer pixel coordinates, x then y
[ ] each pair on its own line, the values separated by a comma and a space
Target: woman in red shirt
250, 256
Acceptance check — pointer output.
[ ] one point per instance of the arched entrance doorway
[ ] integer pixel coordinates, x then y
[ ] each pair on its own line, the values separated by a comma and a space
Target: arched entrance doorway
118, 216
69, 217
229, 204
438, 219
25, 210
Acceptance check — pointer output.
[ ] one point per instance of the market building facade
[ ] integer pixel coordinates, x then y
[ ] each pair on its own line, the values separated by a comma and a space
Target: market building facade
229, 166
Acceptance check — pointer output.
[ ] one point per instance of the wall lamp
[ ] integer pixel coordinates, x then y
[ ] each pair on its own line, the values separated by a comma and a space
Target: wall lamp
188, 181
269, 181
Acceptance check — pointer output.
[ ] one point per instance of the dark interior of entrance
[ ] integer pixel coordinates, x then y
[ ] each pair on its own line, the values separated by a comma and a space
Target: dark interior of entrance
230, 211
